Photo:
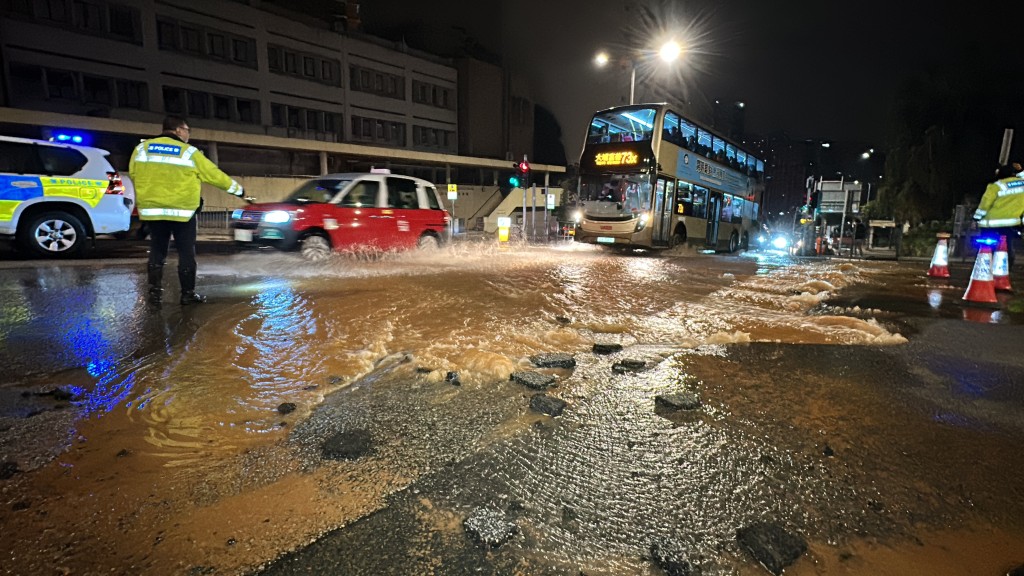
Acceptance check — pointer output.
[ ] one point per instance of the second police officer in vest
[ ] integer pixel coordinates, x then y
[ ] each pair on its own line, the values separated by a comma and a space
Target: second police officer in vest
168, 175
1001, 208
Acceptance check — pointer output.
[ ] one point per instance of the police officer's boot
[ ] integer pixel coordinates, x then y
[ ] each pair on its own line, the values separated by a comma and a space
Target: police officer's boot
187, 278
156, 277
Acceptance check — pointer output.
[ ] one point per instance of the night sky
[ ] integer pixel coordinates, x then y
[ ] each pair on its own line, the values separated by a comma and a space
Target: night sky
810, 68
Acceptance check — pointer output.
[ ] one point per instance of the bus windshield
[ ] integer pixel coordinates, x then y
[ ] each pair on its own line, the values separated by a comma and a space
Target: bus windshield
628, 125
616, 193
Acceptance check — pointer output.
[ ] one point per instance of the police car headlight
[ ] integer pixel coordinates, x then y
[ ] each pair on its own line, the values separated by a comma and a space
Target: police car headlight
236, 214
277, 217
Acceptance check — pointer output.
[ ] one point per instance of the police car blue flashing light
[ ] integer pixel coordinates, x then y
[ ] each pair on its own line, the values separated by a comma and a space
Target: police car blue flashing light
68, 137
986, 241
236, 214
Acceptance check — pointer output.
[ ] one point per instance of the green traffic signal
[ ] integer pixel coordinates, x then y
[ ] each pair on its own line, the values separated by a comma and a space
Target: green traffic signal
513, 181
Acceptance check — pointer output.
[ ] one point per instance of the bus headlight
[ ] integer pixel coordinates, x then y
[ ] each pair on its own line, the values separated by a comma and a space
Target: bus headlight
277, 217
641, 222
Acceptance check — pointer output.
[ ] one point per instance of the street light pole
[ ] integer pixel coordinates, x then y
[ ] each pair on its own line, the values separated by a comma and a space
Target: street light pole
632, 83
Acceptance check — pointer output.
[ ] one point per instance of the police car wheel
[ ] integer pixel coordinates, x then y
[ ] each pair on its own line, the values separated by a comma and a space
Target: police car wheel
316, 248
53, 235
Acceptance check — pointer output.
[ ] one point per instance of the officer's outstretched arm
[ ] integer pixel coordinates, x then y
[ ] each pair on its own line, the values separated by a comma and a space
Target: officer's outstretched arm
209, 173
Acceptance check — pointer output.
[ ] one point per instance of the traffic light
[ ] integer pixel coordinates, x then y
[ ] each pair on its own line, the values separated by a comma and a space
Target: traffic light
513, 178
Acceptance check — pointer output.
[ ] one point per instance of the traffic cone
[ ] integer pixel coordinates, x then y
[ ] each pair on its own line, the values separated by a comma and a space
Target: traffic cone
1001, 267
940, 260
982, 287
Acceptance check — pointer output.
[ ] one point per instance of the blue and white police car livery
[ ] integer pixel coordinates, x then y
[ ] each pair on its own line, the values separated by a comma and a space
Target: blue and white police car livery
53, 196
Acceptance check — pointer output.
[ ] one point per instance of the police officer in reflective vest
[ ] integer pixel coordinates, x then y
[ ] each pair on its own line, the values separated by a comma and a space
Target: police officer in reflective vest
168, 175
1002, 207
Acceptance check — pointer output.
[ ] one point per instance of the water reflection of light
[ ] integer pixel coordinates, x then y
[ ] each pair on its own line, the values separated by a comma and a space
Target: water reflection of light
84, 340
935, 299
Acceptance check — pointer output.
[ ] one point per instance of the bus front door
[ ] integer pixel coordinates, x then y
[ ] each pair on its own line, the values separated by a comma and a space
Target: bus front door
714, 211
661, 218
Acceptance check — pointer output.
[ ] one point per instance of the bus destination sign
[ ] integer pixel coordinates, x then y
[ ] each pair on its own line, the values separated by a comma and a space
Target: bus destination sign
624, 158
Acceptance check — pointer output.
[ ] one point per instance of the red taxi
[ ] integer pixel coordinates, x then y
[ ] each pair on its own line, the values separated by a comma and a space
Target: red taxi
376, 211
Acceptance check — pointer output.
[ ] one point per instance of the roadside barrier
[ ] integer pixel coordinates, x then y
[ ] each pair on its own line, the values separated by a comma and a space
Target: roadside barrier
940, 260
982, 286
1001, 267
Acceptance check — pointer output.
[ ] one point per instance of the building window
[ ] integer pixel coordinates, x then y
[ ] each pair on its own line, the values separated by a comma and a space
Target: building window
379, 83
55, 10
248, 111
198, 104
218, 45
87, 16
277, 114
221, 107
124, 22
174, 100
96, 90
167, 35
61, 85
131, 94
274, 58
191, 40
327, 71
308, 66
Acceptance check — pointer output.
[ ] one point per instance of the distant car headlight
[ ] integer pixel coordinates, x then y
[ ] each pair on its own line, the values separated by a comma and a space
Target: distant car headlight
237, 214
277, 217
761, 239
577, 216
780, 242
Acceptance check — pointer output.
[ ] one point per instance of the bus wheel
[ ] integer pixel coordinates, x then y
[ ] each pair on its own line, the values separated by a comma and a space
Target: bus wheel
676, 240
734, 242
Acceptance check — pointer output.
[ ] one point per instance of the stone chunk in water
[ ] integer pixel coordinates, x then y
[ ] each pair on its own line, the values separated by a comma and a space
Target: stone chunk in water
624, 366
677, 401
771, 545
534, 380
607, 348
553, 360
547, 404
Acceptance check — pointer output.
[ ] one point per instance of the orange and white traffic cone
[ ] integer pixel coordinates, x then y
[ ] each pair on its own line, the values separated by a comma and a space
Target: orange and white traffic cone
1001, 267
982, 287
940, 260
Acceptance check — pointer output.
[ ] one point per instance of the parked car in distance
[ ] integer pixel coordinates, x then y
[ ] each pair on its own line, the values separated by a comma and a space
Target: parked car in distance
54, 196
375, 211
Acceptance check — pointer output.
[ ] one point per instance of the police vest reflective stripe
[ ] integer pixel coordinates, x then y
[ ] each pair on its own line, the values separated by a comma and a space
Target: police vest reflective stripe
166, 212
998, 222
235, 188
184, 160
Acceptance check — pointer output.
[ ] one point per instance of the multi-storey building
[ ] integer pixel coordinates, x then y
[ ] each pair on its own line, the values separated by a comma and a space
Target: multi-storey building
272, 92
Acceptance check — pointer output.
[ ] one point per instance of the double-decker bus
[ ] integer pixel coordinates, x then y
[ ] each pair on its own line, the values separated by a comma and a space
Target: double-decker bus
651, 178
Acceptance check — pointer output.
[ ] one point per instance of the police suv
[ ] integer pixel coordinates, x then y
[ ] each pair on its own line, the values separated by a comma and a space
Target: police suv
53, 196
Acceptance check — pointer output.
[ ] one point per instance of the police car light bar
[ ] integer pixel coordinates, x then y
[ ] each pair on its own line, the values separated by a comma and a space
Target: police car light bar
67, 137
986, 241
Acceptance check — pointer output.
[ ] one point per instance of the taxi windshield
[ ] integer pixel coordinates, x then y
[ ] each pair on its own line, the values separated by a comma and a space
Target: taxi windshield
319, 190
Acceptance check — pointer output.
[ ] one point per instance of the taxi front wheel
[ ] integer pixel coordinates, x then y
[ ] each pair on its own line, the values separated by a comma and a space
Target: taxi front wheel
53, 235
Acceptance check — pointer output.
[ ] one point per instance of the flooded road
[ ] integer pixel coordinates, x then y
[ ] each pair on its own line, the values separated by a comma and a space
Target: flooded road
837, 399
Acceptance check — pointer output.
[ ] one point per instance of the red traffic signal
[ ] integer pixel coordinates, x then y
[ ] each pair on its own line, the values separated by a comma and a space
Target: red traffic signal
524, 167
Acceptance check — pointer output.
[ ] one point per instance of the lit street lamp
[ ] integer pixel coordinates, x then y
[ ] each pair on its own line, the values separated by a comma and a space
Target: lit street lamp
669, 52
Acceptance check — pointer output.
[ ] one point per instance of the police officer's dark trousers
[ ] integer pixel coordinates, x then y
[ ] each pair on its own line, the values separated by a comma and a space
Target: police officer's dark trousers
184, 233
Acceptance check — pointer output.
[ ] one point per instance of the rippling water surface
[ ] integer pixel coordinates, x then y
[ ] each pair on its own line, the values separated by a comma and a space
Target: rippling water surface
176, 447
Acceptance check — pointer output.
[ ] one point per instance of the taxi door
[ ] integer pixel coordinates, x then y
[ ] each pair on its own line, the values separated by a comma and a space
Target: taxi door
355, 220
404, 204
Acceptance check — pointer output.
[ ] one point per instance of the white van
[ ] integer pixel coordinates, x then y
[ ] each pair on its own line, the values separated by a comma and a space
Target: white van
53, 196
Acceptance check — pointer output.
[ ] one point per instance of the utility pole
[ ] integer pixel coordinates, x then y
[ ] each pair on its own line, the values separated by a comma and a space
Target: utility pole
1004, 152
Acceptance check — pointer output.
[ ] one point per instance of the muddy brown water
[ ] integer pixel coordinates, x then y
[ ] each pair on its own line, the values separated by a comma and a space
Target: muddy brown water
174, 458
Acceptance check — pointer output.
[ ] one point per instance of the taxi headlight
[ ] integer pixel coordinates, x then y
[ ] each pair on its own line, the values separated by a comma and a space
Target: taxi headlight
277, 217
